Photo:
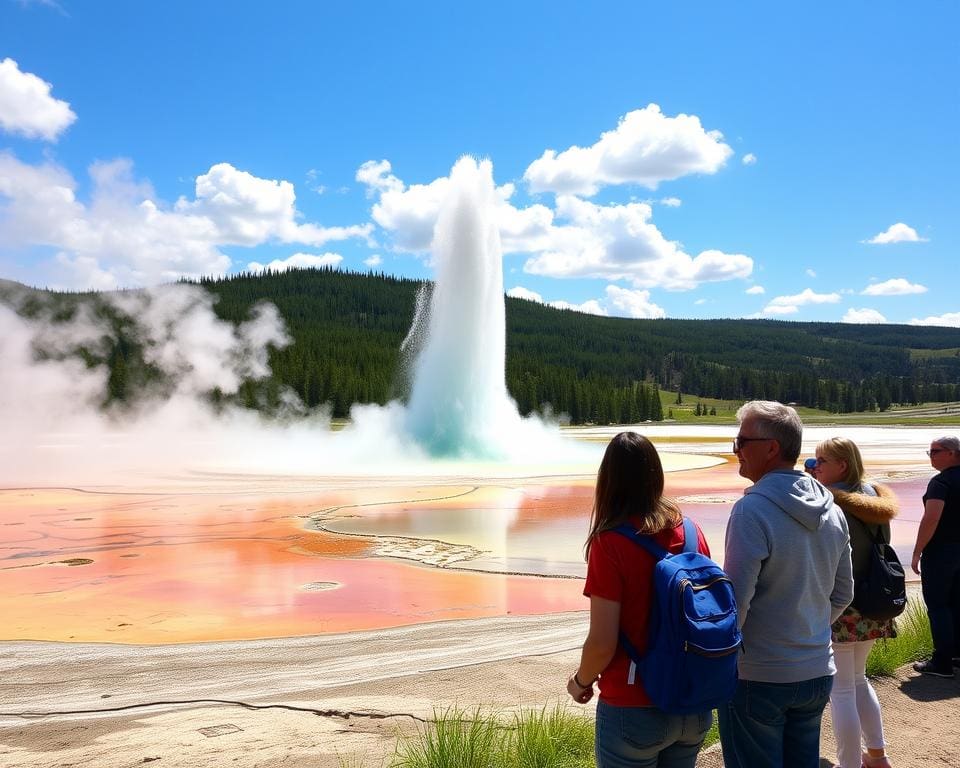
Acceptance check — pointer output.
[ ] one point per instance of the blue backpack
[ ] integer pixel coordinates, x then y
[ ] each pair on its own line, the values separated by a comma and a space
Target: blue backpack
691, 661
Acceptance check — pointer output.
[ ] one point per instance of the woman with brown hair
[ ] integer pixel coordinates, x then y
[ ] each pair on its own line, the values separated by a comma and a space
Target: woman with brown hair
630, 731
869, 508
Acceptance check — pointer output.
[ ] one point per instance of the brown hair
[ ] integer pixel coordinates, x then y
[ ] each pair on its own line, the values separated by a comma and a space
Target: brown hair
630, 484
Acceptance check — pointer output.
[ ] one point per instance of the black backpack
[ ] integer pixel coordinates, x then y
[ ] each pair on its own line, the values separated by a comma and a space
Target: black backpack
882, 592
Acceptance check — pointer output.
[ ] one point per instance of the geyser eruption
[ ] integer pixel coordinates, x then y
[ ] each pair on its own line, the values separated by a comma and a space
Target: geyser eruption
58, 432
459, 404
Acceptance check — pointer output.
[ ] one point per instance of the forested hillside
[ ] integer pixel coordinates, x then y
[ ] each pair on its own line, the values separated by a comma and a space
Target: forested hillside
347, 330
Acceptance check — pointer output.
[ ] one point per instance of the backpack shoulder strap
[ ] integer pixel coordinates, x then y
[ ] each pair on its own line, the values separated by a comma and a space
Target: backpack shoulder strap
691, 542
642, 540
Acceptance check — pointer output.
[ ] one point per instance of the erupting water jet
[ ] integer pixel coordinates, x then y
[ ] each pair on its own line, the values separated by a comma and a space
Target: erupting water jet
459, 405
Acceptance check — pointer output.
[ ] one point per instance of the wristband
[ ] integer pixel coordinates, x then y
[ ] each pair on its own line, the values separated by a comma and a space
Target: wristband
579, 684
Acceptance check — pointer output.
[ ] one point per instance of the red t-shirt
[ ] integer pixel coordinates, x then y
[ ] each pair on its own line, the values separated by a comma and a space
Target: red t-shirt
622, 571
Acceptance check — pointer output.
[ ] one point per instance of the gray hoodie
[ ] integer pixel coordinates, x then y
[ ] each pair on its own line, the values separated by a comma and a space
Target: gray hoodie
788, 556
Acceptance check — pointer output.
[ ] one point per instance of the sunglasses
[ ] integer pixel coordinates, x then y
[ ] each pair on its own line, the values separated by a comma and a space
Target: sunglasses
739, 441
934, 451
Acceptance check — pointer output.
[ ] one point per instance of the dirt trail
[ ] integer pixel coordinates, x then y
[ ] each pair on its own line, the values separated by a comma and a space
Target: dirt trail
319, 700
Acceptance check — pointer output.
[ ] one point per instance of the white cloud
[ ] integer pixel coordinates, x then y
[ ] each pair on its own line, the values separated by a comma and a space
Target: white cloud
519, 292
26, 106
408, 213
788, 305
646, 147
297, 261
377, 177
313, 183
614, 242
699, 302
749, 159
863, 316
776, 309
591, 307
618, 301
125, 237
373, 261
897, 286
618, 242
248, 210
755, 290
949, 319
810, 273
897, 233
671, 202
633, 303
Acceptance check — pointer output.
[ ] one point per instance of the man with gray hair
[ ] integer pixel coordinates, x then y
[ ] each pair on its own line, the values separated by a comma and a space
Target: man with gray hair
788, 556
936, 557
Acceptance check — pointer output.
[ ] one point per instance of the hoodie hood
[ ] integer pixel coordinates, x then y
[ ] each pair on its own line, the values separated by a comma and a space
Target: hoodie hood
796, 493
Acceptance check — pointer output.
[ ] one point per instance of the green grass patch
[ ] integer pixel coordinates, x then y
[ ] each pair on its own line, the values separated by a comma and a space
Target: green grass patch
912, 643
562, 738
455, 738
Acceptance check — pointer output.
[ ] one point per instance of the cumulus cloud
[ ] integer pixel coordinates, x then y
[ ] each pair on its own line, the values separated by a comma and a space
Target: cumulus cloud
27, 107
897, 233
590, 307
647, 148
373, 261
248, 210
949, 319
375, 174
519, 292
123, 236
810, 273
297, 261
633, 303
619, 242
897, 286
618, 301
863, 316
749, 159
788, 305
756, 290
409, 214
576, 239
671, 202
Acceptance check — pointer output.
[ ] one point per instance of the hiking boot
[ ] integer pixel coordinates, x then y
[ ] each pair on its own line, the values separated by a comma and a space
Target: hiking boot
929, 668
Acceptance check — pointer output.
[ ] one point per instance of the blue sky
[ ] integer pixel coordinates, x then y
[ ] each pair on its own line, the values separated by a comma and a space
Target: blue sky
678, 160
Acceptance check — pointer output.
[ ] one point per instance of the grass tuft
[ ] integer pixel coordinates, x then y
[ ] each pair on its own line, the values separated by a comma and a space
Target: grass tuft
554, 738
913, 642
560, 738
453, 739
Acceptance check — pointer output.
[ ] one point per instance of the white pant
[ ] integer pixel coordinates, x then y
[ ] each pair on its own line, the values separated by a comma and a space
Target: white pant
854, 705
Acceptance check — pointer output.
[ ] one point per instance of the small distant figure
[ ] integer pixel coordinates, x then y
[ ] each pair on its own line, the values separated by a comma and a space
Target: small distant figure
788, 555
868, 508
936, 557
620, 587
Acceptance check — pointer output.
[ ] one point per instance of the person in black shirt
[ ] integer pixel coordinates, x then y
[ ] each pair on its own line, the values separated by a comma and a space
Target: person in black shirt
936, 557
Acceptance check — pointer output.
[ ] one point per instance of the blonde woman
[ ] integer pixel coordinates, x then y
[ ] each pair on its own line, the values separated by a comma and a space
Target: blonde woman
869, 508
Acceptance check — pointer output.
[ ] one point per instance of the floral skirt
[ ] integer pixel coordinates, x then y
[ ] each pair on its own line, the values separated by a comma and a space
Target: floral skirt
852, 627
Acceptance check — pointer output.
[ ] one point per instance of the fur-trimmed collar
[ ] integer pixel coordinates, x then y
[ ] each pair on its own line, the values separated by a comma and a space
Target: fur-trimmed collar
875, 510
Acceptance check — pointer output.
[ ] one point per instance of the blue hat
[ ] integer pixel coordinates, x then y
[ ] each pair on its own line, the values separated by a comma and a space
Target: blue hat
809, 464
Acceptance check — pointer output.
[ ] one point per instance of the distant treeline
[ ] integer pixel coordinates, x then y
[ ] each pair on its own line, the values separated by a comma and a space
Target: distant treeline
347, 329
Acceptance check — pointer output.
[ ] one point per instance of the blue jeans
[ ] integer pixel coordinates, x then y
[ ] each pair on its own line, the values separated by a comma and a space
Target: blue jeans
940, 577
646, 737
774, 725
